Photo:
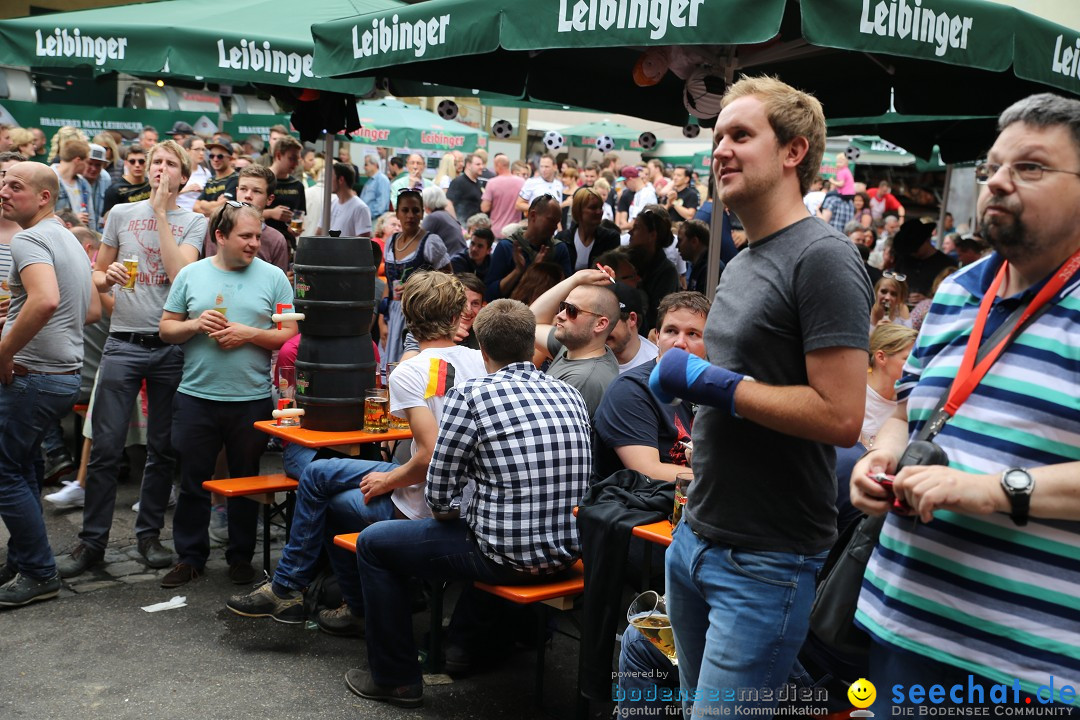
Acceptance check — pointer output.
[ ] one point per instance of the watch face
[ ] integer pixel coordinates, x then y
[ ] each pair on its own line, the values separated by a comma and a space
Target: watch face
1017, 480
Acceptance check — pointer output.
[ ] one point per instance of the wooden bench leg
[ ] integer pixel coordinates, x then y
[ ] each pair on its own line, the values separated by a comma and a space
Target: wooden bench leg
266, 535
541, 651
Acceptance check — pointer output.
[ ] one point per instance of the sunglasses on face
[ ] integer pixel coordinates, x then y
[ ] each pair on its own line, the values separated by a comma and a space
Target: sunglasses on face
218, 156
572, 311
137, 161
237, 204
898, 277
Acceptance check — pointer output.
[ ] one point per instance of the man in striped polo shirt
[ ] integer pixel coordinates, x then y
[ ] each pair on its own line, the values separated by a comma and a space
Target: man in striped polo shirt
976, 589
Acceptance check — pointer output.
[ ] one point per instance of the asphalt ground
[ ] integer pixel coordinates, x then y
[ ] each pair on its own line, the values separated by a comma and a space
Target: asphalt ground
94, 653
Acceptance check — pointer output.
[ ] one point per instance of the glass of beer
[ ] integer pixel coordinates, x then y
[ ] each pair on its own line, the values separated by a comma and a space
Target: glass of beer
376, 410
682, 487
296, 226
397, 422
648, 613
132, 267
286, 387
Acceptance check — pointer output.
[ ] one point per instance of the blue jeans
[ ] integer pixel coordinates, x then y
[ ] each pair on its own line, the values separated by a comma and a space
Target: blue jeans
739, 616
296, 457
329, 502
29, 405
388, 554
124, 366
200, 428
646, 677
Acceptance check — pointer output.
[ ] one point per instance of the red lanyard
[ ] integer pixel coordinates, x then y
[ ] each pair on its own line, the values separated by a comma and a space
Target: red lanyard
969, 375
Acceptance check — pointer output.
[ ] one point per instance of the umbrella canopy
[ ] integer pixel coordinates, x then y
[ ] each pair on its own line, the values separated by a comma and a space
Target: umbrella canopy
242, 41
855, 55
584, 135
961, 138
393, 123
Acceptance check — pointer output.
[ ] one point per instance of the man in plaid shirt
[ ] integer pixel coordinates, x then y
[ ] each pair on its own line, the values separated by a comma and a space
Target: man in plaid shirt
523, 438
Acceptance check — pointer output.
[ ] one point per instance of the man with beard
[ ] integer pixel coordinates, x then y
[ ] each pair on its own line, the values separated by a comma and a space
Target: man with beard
978, 584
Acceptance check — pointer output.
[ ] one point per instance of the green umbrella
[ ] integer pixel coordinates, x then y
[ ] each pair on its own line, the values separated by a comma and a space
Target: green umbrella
625, 137
393, 123
242, 41
855, 55
965, 137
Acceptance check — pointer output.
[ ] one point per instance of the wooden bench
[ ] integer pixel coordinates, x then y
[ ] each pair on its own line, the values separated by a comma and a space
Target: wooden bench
262, 488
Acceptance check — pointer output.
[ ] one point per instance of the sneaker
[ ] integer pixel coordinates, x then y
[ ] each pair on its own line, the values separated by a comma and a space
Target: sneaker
181, 574
406, 696
58, 465
81, 559
72, 495
172, 500
154, 553
7, 573
241, 573
23, 590
219, 524
342, 622
264, 602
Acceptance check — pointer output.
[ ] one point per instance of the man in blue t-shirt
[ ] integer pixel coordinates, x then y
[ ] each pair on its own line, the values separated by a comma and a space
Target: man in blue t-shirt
219, 309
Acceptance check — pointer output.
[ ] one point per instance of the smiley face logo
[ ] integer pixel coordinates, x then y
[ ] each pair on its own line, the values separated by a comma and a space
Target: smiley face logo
862, 693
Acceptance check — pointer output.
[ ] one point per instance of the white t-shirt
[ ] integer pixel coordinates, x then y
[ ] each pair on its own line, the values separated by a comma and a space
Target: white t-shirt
645, 196
199, 176
423, 381
353, 218
648, 351
878, 410
813, 199
537, 186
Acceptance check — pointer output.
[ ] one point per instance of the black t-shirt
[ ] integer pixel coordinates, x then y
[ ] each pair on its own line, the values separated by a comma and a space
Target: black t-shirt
125, 192
215, 186
466, 195
799, 290
629, 414
690, 199
625, 200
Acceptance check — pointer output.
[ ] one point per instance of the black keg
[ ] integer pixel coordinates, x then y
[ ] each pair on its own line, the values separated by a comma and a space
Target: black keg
334, 281
332, 374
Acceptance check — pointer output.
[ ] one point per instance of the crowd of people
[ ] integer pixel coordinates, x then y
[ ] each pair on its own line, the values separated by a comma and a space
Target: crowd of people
548, 329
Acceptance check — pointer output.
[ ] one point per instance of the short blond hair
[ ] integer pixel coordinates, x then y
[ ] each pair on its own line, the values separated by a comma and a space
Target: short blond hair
432, 302
792, 113
890, 338
175, 148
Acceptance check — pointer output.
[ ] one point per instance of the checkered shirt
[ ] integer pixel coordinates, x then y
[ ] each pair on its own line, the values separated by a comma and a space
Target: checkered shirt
843, 211
524, 439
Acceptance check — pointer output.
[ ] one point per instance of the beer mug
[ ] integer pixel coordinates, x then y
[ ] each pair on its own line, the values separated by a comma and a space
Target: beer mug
376, 410
397, 422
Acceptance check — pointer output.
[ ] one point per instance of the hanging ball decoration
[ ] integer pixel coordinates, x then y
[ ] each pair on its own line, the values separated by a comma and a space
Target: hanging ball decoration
502, 129
852, 153
691, 130
447, 109
553, 140
647, 141
605, 144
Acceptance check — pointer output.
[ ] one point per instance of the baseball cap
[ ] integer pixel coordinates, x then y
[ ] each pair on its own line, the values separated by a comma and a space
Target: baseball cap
629, 172
223, 145
181, 128
99, 153
630, 300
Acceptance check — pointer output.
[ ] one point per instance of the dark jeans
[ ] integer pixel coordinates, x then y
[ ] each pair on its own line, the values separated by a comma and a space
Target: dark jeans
387, 555
124, 366
28, 405
200, 428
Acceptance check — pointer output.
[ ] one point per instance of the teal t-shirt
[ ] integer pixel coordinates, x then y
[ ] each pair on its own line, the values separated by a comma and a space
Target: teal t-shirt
249, 296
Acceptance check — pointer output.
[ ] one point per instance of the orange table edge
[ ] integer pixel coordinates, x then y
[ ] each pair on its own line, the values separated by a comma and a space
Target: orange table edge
657, 532
349, 440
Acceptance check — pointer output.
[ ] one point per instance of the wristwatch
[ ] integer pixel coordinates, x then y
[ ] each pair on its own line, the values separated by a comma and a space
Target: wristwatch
1018, 484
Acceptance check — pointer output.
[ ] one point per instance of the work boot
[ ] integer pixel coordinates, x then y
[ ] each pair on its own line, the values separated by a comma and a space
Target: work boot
81, 559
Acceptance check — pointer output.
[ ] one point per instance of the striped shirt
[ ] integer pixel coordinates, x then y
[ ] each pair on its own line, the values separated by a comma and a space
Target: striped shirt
524, 438
975, 591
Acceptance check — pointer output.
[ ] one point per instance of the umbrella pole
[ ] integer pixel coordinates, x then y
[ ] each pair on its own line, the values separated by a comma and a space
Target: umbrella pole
944, 203
328, 181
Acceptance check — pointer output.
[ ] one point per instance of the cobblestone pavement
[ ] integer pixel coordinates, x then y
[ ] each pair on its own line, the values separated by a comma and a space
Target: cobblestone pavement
93, 653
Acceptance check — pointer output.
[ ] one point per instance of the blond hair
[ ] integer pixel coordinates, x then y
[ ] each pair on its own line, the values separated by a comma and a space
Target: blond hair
432, 302
173, 147
63, 134
890, 338
792, 113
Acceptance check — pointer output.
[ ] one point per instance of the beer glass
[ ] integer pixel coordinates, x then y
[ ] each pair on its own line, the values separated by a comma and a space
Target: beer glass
648, 613
682, 488
287, 394
132, 267
376, 410
397, 422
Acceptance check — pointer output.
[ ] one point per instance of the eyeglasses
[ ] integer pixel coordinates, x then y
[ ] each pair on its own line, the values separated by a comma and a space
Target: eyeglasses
218, 156
573, 310
1027, 172
898, 277
137, 161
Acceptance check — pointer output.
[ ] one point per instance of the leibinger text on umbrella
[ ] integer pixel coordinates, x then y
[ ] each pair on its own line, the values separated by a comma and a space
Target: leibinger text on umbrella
249, 56
74, 44
390, 37
657, 15
1067, 61
905, 20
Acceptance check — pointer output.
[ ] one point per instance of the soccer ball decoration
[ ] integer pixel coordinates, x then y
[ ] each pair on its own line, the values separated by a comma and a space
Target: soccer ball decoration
605, 144
447, 109
553, 140
852, 154
647, 140
691, 130
502, 129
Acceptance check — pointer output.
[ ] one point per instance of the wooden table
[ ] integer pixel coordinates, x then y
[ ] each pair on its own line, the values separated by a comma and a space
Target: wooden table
657, 532
350, 442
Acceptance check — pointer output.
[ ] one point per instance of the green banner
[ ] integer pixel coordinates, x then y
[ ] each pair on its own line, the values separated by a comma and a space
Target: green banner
240, 126
973, 33
93, 120
1053, 54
